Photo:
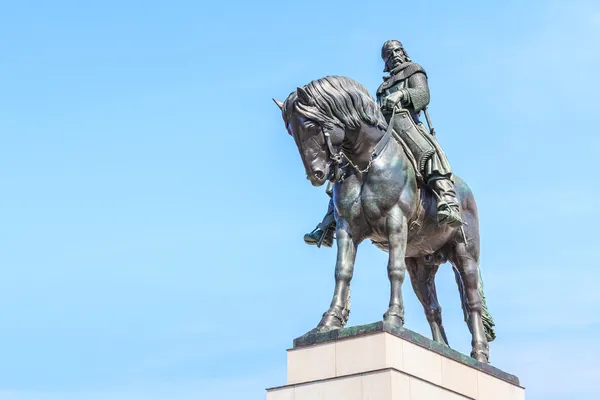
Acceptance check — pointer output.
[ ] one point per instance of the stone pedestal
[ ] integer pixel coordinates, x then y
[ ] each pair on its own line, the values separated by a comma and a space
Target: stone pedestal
377, 362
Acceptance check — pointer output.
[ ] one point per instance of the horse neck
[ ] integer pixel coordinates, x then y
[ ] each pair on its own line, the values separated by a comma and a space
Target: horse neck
360, 145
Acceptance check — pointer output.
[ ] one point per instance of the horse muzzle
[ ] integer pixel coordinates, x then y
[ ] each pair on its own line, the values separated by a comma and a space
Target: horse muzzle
318, 177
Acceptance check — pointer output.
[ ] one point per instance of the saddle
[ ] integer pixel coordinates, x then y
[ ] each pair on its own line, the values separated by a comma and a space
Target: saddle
411, 158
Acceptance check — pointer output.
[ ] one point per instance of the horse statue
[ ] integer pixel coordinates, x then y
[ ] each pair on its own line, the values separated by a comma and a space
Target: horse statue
343, 137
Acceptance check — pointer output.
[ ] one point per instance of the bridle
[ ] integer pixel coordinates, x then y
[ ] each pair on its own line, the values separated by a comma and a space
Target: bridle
338, 171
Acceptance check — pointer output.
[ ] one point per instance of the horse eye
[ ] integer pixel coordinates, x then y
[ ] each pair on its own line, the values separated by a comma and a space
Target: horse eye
311, 126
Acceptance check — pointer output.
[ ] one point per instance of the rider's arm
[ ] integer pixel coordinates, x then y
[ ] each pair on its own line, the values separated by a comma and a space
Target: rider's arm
416, 94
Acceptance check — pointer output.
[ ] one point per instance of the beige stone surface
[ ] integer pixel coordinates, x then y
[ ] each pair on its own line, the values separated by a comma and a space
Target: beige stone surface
400, 386
381, 367
311, 363
389, 384
422, 363
281, 394
338, 389
459, 378
491, 388
350, 356
393, 346
421, 390
382, 385
377, 386
360, 354
448, 395
519, 393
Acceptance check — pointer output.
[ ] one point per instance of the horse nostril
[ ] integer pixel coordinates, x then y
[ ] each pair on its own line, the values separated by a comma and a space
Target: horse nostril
319, 174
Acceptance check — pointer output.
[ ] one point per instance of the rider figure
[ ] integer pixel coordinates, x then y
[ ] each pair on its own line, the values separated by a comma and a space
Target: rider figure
406, 87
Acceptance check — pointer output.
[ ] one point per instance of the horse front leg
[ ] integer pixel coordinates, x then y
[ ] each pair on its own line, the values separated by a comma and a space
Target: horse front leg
339, 310
396, 225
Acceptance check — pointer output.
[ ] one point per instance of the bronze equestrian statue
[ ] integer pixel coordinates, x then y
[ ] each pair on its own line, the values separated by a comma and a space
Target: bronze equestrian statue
406, 84
398, 193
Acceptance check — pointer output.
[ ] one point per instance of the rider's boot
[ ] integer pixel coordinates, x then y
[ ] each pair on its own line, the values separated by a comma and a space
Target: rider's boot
448, 209
323, 233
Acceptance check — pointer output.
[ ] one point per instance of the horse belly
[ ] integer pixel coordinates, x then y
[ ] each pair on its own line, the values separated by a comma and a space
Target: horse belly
425, 244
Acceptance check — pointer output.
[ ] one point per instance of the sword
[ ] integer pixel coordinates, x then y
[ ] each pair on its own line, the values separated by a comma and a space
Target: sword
431, 128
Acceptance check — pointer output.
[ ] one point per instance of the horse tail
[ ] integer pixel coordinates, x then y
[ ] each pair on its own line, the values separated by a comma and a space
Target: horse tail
488, 321
486, 316
346, 310
463, 296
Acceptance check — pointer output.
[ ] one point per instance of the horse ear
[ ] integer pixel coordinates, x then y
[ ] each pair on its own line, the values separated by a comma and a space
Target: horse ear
303, 96
279, 104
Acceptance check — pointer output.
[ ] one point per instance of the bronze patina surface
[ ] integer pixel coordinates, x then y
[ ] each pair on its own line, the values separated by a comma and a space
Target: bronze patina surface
390, 182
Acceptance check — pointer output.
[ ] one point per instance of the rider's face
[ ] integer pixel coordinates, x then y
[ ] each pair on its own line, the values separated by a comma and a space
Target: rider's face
394, 55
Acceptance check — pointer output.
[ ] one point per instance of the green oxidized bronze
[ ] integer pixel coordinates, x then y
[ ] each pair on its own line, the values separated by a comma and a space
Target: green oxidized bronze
406, 88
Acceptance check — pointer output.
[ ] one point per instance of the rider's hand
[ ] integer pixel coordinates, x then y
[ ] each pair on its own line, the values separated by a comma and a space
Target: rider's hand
393, 99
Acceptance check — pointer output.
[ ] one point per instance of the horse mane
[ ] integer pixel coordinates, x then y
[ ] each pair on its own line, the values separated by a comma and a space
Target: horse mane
335, 100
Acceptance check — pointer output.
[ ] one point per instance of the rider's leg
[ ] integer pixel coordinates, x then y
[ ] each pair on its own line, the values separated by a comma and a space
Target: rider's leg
448, 210
322, 234
439, 179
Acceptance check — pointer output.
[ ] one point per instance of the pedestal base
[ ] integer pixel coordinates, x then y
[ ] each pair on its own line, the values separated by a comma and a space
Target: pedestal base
377, 362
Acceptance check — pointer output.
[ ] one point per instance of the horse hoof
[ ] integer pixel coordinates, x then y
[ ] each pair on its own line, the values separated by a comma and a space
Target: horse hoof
394, 317
329, 322
481, 352
480, 356
394, 321
325, 329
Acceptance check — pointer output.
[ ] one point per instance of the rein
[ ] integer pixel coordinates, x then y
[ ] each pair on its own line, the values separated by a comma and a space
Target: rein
337, 157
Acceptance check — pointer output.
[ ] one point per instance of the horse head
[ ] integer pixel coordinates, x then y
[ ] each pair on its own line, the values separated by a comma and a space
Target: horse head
317, 141
318, 117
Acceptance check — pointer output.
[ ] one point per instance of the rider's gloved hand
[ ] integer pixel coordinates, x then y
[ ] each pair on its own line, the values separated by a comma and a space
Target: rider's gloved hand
393, 99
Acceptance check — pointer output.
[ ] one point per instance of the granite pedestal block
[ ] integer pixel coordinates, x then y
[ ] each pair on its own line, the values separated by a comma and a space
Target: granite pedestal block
378, 362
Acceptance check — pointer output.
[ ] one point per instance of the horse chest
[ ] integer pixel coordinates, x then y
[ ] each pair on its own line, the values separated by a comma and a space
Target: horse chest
374, 205
380, 193
349, 207
347, 198
368, 204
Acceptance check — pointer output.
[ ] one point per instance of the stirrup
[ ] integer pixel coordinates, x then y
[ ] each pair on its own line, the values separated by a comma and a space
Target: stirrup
449, 214
310, 238
327, 238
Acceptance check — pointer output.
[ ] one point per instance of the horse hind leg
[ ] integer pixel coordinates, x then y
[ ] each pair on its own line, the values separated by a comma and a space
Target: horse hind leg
422, 278
468, 270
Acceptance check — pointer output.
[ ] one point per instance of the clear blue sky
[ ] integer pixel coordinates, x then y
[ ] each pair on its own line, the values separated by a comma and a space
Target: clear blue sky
153, 205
